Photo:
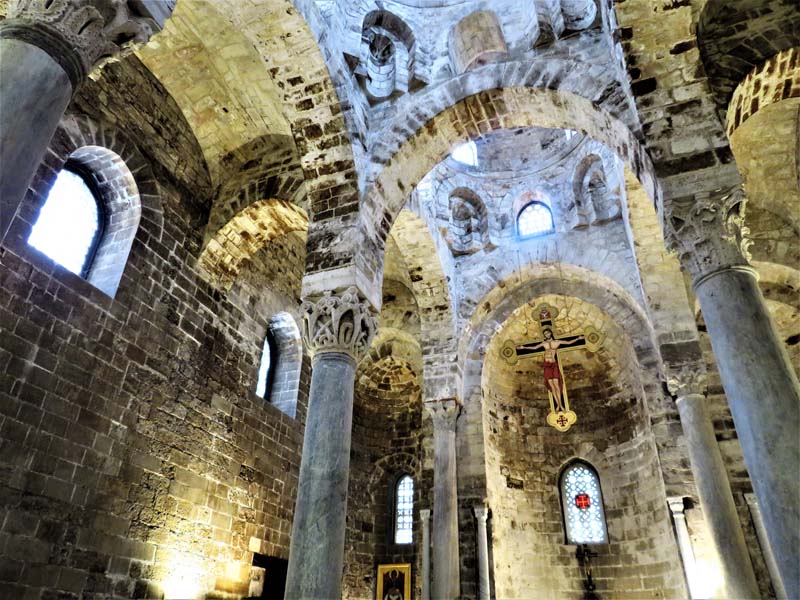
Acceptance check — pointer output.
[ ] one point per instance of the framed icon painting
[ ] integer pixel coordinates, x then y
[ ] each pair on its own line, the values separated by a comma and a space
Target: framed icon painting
394, 582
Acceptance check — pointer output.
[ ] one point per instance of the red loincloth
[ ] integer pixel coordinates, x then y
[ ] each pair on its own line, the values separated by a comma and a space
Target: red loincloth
551, 371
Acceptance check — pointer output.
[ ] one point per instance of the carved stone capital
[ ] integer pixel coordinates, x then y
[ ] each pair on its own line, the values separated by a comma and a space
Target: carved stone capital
688, 381
82, 34
444, 413
708, 234
340, 322
481, 513
676, 506
425, 515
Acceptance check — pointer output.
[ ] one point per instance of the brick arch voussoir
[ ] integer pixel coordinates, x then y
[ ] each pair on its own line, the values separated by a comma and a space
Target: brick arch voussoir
491, 110
247, 232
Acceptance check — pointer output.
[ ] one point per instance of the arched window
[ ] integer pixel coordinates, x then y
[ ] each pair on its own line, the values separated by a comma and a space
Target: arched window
264, 371
466, 154
281, 362
70, 223
582, 505
90, 217
403, 510
535, 219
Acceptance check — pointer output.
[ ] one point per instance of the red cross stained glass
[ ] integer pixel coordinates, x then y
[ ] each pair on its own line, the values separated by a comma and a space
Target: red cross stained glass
583, 501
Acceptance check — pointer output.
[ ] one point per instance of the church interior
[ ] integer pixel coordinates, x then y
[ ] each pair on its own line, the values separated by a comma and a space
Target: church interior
399, 299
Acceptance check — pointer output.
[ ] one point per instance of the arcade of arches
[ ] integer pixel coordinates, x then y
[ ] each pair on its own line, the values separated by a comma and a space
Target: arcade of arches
505, 295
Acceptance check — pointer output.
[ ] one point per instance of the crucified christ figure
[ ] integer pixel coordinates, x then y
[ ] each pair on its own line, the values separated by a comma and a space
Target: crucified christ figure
552, 373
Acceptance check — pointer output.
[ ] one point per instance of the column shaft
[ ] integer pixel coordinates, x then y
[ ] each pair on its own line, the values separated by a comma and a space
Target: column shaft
716, 498
764, 397
769, 557
316, 554
481, 515
35, 93
425, 514
684, 544
446, 585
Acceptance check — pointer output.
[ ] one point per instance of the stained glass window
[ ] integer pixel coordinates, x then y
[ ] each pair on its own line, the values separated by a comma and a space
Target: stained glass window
263, 369
535, 219
404, 510
68, 223
582, 503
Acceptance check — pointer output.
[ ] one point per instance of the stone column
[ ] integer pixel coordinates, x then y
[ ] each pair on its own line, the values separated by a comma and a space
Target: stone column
481, 515
46, 51
337, 329
760, 384
713, 488
425, 515
675, 504
766, 550
446, 584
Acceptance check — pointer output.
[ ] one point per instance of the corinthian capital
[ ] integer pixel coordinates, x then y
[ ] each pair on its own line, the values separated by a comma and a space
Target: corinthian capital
338, 323
688, 381
444, 413
82, 34
708, 234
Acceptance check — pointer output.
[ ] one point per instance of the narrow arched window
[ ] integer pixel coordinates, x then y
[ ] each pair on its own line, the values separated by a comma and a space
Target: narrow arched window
535, 219
264, 368
466, 154
404, 510
70, 223
582, 505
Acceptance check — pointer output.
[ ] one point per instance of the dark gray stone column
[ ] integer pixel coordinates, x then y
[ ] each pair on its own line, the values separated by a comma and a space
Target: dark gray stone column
713, 488
425, 515
760, 384
46, 52
337, 329
446, 582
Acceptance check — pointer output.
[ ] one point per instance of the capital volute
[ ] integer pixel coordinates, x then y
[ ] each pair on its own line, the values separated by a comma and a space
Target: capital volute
83, 34
444, 413
687, 381
708, 233
481, 513
338, 322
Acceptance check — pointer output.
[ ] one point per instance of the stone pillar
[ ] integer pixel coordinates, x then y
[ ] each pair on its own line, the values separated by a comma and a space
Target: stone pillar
675, 504
760, 384
481, 515
446, 584
337, 329
766, 550
46, 51
425, 514
712, 484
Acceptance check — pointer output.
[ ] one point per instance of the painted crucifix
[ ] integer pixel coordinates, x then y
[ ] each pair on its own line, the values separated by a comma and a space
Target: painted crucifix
551, 347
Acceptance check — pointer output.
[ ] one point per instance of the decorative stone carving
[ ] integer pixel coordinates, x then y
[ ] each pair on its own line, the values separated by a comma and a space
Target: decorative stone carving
81, 34
338, 323
709, 234
688, 381
444, 413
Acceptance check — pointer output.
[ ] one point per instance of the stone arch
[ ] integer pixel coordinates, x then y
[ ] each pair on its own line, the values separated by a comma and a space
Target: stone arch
593, 201
243, 235
476, 40
120, 175
394, 71
468, 222
569, 280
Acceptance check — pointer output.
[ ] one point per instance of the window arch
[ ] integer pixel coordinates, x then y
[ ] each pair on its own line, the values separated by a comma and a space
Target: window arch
103, 234
582, 504
535, 219
404, 510
70, 222
281, 362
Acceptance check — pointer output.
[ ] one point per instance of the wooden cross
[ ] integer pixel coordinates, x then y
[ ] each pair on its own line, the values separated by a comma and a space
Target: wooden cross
551, 347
